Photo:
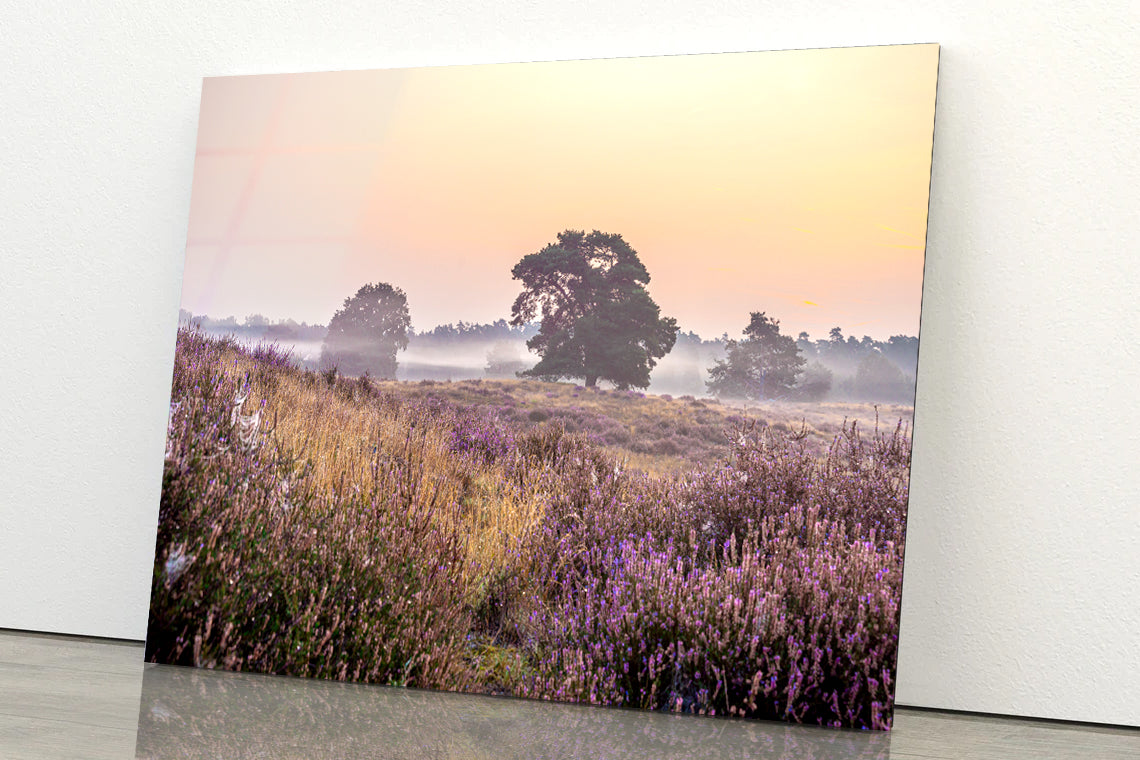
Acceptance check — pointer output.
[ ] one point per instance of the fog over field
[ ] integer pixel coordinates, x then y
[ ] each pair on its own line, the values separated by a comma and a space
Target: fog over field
450, 353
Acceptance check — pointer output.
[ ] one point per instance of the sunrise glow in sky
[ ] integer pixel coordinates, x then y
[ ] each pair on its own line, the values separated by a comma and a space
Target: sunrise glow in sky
790, 182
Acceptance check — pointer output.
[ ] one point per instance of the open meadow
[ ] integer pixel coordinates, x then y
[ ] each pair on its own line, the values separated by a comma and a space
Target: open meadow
530, 539
659, 434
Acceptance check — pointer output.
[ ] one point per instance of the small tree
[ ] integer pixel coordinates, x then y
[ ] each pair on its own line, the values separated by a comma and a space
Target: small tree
365, 334
903, 351
813, 383
504, 360
763, 365
878, 379
598, 321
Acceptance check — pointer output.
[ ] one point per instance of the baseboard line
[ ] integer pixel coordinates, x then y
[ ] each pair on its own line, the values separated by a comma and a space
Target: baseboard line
72, 637
1059, 722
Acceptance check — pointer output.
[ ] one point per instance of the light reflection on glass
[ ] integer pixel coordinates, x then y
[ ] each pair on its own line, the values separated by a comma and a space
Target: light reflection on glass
187, 712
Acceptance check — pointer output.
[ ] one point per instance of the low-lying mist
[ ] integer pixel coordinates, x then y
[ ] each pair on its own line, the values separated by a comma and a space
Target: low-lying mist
684, 371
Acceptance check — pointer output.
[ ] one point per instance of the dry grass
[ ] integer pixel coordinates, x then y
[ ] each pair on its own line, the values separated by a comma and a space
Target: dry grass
456, 535
336, 427
336, 430
658, 434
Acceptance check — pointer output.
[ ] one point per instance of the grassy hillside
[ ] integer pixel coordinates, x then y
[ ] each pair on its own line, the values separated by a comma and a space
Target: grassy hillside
451, 536
657, 433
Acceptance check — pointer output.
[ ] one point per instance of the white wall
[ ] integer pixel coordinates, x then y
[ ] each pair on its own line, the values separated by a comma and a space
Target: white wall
1022, 590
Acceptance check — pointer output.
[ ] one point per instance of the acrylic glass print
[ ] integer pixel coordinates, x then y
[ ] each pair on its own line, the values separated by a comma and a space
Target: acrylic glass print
586, 381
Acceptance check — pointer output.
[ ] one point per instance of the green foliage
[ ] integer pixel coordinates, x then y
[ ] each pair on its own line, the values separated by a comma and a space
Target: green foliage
598, 321
763, 365
365, 334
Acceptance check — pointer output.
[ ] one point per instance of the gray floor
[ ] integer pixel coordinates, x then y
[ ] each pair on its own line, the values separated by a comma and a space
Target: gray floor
62, 697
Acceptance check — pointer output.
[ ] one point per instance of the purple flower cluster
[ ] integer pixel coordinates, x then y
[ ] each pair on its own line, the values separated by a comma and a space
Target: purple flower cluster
481, 437
258, 567
766, 585
792, 622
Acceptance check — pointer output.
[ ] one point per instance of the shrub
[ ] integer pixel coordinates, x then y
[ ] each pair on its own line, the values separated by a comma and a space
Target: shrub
767, 631
329, 527
735, 590
813, 384
481, 437
258, 567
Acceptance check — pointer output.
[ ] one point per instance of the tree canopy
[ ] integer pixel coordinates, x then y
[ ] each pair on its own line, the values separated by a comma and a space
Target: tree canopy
598, 321
365, 334
762, 365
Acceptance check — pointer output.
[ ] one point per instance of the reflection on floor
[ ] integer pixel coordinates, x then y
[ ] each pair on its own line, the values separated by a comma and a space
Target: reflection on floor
63, 697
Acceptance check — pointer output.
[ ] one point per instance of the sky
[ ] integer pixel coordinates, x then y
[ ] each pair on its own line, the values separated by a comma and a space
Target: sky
790, 182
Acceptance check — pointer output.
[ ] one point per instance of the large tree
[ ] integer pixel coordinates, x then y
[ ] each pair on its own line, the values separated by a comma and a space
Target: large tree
762, 365
598, 321
365, 334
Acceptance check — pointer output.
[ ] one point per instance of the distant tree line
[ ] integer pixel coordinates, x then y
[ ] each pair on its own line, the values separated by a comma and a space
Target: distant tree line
460, 332
255, 327
847, 353
869, 369
766, 364
585, 311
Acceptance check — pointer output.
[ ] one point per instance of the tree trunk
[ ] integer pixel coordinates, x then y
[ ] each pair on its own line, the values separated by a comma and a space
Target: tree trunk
591, 381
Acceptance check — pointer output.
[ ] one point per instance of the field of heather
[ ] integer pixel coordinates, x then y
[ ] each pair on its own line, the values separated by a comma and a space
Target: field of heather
531, 539
659, 434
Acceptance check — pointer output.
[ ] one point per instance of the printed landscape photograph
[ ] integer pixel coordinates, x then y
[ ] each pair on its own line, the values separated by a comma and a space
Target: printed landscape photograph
586, 381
